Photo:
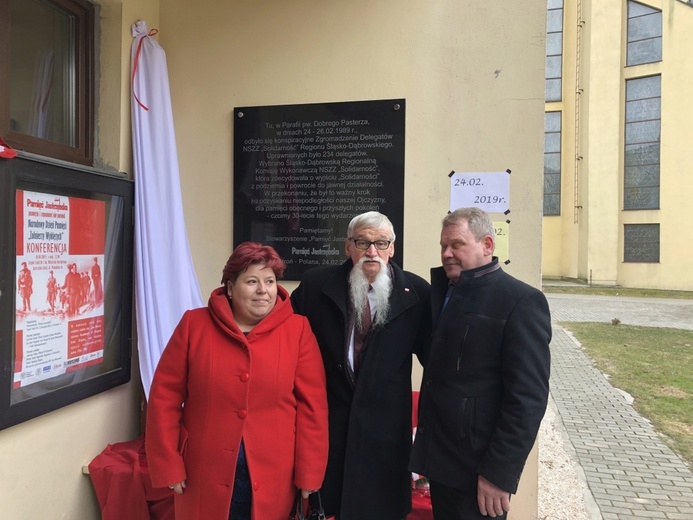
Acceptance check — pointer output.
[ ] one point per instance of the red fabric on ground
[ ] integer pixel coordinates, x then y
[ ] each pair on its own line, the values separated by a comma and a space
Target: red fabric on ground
421, 508
120, 476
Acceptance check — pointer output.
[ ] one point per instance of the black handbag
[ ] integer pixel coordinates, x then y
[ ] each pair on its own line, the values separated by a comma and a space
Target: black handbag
307, 509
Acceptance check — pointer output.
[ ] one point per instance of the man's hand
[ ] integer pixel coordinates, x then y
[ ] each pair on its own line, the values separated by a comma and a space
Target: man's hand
493, 501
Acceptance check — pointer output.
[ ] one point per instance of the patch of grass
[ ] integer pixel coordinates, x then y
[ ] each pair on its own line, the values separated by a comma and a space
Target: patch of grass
618, 291
654, 365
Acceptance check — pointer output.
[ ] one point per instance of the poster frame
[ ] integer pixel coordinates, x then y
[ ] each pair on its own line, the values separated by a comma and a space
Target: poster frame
73, 181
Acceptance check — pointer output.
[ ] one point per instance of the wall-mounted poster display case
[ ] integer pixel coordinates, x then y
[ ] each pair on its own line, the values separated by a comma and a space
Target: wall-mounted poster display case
66, 261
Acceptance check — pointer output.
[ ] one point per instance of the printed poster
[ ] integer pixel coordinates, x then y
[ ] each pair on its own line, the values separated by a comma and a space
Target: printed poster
60, 297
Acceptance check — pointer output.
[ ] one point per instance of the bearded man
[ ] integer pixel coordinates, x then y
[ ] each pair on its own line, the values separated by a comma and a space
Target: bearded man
369, 316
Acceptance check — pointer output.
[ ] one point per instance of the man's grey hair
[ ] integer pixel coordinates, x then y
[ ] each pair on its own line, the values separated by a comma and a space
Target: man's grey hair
371, 219
477, 219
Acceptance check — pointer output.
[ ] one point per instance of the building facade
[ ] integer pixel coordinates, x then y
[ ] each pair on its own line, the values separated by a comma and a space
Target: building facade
617, 178
471, 75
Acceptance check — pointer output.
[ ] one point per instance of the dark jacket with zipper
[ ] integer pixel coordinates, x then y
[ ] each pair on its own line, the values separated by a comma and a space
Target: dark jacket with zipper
369, 416
486, 381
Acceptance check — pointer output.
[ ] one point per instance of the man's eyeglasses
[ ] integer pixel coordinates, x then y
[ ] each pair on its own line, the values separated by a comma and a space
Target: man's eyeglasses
382, 245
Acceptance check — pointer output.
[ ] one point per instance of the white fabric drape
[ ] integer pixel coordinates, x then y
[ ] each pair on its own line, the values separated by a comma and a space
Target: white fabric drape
39, 116
165, 281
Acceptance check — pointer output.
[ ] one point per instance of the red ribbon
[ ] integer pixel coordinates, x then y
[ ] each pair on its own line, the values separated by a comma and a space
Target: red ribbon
134, 67
6, 151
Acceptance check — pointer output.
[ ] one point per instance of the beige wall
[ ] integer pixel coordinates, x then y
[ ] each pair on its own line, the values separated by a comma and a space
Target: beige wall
472, 76
592, 248
603, 109
42, 458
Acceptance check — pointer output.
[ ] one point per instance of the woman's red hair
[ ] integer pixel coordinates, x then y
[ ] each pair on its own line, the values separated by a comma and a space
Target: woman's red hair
248, 253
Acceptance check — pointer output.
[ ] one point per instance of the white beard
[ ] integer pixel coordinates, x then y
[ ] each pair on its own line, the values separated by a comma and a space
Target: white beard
358, 292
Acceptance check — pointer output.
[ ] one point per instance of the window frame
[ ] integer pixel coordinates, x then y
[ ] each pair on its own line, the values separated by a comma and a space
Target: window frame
630, 170
554, 7
631, 58
559, 153
631, 260
83, 151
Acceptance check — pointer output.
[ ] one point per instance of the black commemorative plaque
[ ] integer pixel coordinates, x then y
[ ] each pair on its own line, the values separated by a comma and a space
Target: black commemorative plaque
302, 172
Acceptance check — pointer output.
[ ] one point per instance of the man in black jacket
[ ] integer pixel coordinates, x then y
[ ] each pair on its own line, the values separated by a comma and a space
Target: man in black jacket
368, 369
486, 379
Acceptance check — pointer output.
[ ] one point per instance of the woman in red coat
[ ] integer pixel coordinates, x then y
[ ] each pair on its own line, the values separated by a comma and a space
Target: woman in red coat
237, 412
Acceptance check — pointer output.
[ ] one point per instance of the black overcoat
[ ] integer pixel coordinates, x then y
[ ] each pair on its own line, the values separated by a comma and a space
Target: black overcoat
367, 476
486, 381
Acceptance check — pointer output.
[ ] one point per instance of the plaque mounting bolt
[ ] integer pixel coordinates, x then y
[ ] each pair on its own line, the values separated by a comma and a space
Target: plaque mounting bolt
397, 106
240, 114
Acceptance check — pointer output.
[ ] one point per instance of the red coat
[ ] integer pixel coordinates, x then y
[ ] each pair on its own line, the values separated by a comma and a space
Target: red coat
267, 387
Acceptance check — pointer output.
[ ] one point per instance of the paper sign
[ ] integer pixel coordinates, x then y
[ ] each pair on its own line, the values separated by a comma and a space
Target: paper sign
489, 191
502, 229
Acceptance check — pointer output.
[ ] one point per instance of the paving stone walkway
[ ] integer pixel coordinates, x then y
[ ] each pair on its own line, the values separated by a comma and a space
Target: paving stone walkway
630, 471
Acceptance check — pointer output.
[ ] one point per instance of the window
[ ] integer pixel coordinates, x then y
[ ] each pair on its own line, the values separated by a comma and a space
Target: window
47, 77
554, 50
642, 143
644, 34
641, 243
552, 163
